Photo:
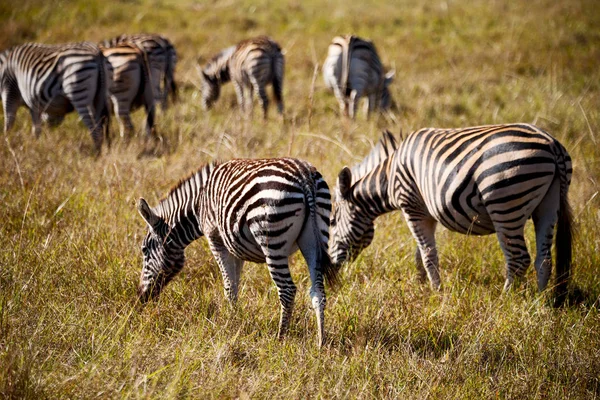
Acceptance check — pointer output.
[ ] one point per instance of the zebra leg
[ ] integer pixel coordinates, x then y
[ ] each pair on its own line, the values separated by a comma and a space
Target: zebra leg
310, 246
87, 116
286, 290
231, 269
36, 118
353, 104
261, 93
239, 92
150, 112
423, 231
420, 268
515, 252
544, 219
10, 112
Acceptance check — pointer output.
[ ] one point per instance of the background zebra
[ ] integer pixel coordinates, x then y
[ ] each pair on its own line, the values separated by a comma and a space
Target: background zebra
53, 80
353, 69
251, 65
130, 86
477, 181
249, 210
162, 59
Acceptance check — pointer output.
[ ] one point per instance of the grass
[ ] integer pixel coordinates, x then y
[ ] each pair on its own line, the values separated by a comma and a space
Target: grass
70, 260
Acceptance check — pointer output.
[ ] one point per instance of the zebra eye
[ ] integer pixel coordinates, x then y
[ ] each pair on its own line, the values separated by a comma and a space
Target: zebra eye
333, 222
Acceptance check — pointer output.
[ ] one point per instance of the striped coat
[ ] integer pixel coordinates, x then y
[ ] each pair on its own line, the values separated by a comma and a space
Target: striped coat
251, 66
53, 80
162, 58
130, 86
249, 210
353, 70
479, 180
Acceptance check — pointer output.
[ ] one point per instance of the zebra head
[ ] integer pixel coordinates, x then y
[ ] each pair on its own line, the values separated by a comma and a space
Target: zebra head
386, 98
163, 257
211, 89
352, 228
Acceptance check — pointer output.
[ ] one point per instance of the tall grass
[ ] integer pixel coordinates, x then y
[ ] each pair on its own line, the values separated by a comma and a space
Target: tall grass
69, 261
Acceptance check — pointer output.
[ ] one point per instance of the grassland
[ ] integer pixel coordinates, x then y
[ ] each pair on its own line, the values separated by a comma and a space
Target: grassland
70, 234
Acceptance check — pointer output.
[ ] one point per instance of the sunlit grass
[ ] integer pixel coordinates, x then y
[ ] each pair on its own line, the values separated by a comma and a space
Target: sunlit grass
70, 260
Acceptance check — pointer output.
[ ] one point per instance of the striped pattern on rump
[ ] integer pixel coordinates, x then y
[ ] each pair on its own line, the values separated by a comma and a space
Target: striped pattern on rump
478, 180
352, 70
130, 86
162, 59
249, 210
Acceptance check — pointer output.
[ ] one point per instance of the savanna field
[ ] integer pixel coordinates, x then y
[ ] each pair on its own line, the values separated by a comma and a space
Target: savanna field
70, 259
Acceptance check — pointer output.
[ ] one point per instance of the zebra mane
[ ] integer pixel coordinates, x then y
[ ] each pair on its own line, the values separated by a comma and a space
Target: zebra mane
179, 195
381, 151
217, 67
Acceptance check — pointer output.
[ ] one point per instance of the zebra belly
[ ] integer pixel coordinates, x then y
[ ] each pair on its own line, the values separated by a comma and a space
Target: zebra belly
59, 106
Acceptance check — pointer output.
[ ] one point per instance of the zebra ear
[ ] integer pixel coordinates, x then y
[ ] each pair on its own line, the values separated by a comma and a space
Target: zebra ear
344, 182
149, 216
389, 77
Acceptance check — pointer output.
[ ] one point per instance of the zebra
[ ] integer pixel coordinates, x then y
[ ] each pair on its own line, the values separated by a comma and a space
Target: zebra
353, 69
130, 85
259, 210
53, 80
162, 58
478, 180
251, 65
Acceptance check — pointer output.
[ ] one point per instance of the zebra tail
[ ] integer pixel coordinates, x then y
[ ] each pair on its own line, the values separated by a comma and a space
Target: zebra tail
277, 64
102, 98
563, 242
328, 269
170, 83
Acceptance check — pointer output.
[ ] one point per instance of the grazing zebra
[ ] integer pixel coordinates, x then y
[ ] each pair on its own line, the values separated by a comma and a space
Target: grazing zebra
162, 58
252, 64
353, 69
53, 80
477, 180
130, 86
249, 210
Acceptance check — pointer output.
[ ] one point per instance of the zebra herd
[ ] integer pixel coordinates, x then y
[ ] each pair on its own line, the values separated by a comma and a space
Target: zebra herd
477, 180
52, 80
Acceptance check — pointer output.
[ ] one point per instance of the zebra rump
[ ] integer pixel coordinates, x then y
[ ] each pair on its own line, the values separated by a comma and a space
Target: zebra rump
53, 80
352, 70
162, 58
251, 65
249, 210
130, 86
478, 180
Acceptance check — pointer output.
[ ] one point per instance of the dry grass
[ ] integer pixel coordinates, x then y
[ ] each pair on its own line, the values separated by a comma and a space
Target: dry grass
70, 259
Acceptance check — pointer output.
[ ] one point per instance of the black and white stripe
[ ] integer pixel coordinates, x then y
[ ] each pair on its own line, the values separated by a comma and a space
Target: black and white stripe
162, 59
479, 180
53, 80
259, 210
130, 86
251, 65
352, 70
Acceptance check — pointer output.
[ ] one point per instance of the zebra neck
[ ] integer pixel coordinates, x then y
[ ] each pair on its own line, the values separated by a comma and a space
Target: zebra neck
218, 68
371, 191
180, 208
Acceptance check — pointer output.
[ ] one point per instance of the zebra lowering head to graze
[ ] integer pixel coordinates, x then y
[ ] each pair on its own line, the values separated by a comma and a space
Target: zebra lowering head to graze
259, 210
162, 59
352, 70
53, 80
130, 86
251, 65
477, 180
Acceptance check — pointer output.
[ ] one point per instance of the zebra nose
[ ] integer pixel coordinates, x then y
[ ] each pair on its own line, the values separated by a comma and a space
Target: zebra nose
143, 294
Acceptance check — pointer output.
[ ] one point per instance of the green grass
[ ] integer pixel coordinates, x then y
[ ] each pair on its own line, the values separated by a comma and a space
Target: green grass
70, 259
